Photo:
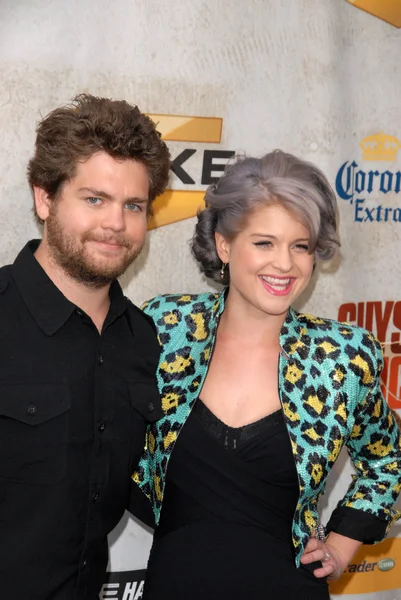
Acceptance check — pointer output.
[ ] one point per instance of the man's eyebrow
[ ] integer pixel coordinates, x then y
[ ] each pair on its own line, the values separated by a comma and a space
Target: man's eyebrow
102, 194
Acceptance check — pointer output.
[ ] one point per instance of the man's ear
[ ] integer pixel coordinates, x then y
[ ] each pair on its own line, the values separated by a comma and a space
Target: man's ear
222, 247
42, 202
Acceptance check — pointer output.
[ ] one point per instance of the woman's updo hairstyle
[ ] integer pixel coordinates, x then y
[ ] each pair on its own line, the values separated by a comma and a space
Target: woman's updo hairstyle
249, 183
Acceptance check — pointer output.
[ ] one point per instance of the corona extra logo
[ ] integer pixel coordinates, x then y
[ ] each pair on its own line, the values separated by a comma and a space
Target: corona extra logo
178, 204
361, 186
380, 147
387, 10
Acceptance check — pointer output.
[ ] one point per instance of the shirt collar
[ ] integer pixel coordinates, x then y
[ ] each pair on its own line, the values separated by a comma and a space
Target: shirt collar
46, 303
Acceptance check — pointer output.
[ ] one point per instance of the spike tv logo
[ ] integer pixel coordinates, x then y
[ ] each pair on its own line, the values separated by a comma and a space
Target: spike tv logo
187, 194
371, 190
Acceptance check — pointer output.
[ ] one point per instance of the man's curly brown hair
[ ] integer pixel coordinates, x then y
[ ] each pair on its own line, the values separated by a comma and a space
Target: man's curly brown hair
73, 133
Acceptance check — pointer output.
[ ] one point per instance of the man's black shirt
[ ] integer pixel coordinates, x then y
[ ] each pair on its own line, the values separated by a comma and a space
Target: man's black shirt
74, 406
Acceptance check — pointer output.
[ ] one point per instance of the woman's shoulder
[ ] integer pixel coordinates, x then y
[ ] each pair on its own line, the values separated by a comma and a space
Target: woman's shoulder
321, 329
179, 304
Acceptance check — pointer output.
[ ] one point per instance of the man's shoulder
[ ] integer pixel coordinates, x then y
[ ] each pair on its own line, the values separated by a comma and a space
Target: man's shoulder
5, 278
138, 315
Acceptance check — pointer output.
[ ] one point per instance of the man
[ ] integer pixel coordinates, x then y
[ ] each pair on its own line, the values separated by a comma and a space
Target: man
77, 358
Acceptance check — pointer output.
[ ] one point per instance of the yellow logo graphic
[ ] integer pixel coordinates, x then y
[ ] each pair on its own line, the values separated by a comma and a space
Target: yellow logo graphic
189, 129
380, 147
373, 569
387, 10
176, 205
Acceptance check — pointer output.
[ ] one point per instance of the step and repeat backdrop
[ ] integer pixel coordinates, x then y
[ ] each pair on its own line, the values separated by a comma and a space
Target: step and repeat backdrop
318, 78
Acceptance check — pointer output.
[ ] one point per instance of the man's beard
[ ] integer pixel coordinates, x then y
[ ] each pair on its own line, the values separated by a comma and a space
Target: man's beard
73, 259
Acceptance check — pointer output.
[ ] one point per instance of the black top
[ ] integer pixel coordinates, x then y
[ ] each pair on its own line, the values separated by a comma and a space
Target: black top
225, 526
74, 406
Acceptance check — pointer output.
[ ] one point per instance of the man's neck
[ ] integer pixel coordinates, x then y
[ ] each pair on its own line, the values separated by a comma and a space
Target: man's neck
95, 302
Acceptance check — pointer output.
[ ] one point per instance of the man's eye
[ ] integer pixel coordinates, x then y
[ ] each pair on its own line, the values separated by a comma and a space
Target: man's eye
133, 207
94, 201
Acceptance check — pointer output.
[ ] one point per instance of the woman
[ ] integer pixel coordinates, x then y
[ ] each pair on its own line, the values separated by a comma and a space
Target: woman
268, 397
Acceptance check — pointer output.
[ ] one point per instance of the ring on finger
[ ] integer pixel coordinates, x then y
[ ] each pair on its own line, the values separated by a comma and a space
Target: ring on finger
327, 556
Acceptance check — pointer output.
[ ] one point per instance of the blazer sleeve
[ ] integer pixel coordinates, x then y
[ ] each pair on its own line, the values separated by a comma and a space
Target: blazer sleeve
366, 512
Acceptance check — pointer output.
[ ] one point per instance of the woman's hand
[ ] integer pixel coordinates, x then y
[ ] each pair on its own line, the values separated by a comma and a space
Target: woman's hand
332, 563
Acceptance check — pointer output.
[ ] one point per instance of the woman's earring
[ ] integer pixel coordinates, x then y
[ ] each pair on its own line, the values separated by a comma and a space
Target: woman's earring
222, 273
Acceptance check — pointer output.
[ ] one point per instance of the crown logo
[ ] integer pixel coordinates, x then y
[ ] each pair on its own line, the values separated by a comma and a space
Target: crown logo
380, 147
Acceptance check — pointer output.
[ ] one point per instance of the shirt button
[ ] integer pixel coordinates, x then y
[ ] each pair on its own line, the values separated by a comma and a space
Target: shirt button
79, 313
151, 407
100, 359
84, 563
101, 427
95, 496
31, 410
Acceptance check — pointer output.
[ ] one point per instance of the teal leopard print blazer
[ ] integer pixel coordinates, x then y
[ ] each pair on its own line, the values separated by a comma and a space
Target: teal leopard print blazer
330, 394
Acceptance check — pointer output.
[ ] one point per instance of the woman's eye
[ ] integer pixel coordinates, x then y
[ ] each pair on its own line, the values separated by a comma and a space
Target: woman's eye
263, 243
304, 247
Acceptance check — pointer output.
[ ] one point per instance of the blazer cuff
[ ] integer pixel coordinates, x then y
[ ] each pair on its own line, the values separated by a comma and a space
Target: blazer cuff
357, 525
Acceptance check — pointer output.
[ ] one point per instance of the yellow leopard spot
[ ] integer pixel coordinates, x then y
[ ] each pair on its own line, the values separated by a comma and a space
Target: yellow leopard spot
200, 331
293, 373
184, 299
361, 363
327, 347
359, 496
170, 401
356, 431
314, 319
171, 319
391, 467
310, 520
359, 466
169, 439
177, 366
345, 331
206, 354
377, 409
317, 473
292, 416
296, 346
151, 443
341, 411
294, 447
396, 488
315, 403
378, 448
158, 491
336, 450
312, 434
135, 477
338, 376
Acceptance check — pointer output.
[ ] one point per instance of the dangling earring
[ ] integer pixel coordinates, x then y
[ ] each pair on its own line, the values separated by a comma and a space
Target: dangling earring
223, 266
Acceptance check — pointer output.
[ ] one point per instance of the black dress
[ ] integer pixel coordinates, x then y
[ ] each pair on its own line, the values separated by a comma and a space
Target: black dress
225, 527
